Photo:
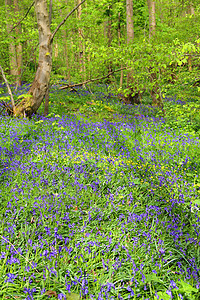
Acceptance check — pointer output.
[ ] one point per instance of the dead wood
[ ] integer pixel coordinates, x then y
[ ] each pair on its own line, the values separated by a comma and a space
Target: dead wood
90, 80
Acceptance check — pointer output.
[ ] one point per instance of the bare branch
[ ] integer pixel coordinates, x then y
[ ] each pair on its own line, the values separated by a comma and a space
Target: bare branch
9, 90
22, 18
90, 80
64, 20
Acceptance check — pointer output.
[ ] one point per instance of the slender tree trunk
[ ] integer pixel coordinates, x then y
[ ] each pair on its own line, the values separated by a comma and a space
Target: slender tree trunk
119, 43
189, 63
192, 11
129, 21
130, 31
134, 95
12, 49
152, 17
81, 45
66, 53
155, 90
18, 48
109, 38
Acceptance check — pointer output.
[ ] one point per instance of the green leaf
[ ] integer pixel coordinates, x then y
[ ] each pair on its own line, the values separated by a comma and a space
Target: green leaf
187, 287
152, 277
196, 201
73, 297
137, 181
163, 296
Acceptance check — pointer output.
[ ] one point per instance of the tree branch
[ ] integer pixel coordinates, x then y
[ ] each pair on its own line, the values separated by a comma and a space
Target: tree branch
90, 80
65, 19
9, 90
22, 18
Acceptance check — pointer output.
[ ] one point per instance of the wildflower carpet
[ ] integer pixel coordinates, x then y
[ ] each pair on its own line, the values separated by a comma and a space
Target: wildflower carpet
99, 201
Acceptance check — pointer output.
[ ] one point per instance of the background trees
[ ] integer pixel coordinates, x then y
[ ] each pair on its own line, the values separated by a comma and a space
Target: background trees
162, 58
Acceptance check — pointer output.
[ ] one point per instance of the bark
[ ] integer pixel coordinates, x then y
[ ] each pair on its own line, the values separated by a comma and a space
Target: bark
12, 49
119, 43
189, 63
9, 89
81, 44
133, 96
192, 11
33, 100
109, 37
66, 54
155, 91
152, 17
130, 32
18, 47
46, 103
129, 21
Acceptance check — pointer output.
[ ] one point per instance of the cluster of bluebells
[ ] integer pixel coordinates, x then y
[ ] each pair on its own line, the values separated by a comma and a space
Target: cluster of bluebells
101, 209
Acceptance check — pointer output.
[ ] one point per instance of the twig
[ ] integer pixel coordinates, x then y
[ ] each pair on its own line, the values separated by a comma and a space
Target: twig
28, 261
22, 18
9, 90
91, 80
64, 20
19, 253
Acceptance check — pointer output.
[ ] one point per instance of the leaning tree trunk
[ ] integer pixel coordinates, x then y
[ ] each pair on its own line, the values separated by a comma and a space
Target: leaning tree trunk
32, 101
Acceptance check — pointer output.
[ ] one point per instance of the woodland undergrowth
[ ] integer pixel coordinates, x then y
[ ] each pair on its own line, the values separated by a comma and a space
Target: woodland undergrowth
100, 200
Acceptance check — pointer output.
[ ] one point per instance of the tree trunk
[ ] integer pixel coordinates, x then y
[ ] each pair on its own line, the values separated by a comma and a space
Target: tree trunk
192, 11
155, 90
12, 49
152, 17
46, 101
189, 63
32, 101
66, 54
18, 48
133, 96
109, 37
130, 31
81, 46
119, 43
129, 21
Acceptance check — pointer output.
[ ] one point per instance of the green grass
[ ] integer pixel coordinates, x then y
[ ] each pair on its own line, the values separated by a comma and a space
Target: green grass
99, 200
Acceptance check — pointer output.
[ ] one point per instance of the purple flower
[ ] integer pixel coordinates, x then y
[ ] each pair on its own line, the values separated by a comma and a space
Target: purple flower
173, 285
61, 296
168, 292
131, 291
11, 277
3, 255
162, 251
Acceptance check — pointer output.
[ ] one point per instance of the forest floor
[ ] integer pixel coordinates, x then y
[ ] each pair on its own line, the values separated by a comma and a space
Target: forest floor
99, 200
